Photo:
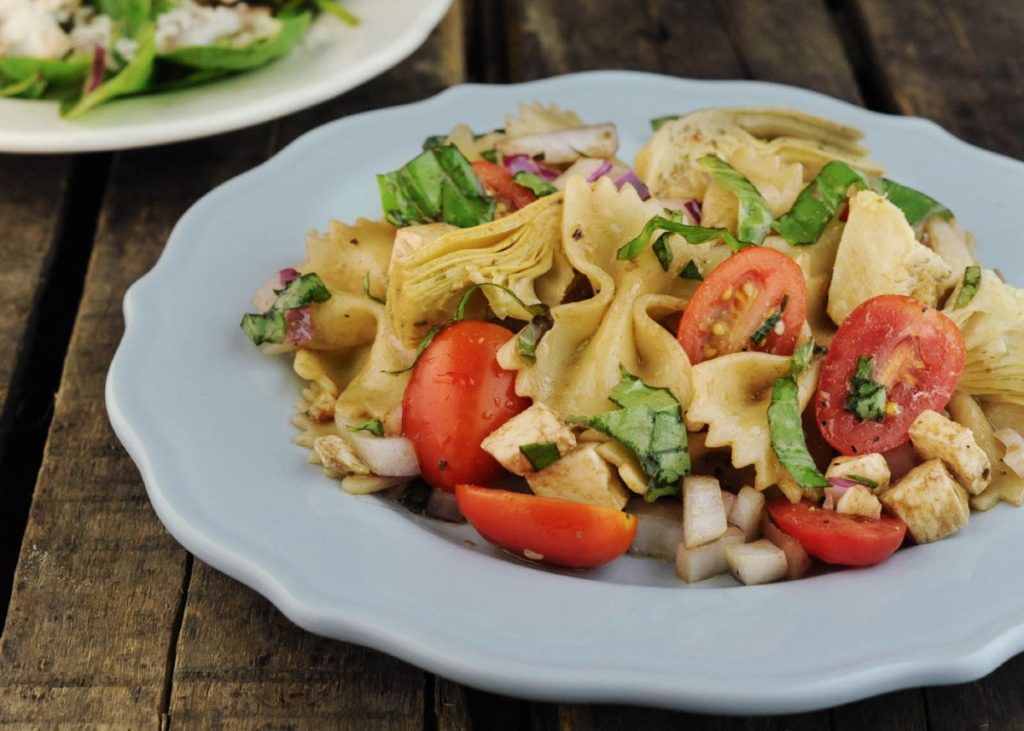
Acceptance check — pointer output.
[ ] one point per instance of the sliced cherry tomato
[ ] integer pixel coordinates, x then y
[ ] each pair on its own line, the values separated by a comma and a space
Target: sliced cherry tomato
839, 539
499, 181
558, 532
457, 395
918, 355
730, 310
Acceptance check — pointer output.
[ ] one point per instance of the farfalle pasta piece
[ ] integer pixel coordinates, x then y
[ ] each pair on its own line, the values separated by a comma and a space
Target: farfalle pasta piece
579, 361
515, 252
816, 262
992, 323
1006, 485
536, 118
668, 162
731, 395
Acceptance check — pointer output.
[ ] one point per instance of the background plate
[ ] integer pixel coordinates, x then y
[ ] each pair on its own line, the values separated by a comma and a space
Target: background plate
330, 59
205, 418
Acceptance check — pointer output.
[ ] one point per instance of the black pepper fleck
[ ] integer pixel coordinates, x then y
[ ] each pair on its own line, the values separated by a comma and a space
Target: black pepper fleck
442, 465
577, 234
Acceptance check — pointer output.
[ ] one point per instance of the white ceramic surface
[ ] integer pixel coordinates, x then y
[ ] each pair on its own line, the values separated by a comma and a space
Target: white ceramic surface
330, 59
205, 417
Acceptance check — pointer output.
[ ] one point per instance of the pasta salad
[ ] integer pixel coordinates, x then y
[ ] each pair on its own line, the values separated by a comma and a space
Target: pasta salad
748, 352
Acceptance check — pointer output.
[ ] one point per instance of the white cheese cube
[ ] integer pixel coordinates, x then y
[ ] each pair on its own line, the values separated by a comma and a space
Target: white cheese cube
936, 437
659, 529
582, 476
537, 425
703, 511
870, 466
760, 562
746, 513
929, 501
859, 501
728, 501
704, 562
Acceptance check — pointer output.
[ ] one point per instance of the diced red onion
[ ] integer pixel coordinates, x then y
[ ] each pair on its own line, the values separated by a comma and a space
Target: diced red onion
287, 275
299, 325
526, 164
99, 65
631, 178
693, 208
442, 505
602, 169
842, 482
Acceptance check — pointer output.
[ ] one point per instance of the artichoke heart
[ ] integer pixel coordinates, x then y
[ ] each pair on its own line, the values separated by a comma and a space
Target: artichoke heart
514, 251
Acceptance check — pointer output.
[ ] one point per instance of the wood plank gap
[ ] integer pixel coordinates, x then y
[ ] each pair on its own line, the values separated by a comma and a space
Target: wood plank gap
486, 44
864, 56
48, 334
430, 688
172, 646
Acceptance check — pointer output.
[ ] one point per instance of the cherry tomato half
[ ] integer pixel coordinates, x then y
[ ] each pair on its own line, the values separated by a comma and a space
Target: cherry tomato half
729, 311
839, 539
499, 181
457, 395
918, 355
558, 532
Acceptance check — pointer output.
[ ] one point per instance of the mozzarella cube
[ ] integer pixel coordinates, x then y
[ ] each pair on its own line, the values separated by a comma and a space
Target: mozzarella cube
929, 501
728, 501
760, 562
878, 254
582, 476
871, 466
626, 463
537, 425
659, 529
337, 455
936, 437
746, 513
859, 501
703, 511
704, 562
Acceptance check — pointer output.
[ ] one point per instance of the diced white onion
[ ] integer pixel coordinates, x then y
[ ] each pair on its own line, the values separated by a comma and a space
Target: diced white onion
385, 456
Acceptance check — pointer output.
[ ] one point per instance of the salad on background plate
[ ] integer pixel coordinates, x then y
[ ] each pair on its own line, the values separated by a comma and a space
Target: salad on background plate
748, 352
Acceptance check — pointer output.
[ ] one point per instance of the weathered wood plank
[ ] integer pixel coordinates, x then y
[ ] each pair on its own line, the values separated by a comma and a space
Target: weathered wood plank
994, 702
240, 663
33, 194
98, 582
901, 711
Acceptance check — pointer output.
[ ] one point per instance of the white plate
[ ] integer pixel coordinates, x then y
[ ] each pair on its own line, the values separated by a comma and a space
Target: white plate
331, 58
205, 417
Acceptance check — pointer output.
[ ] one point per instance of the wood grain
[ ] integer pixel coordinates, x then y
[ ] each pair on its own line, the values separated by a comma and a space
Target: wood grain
98, 583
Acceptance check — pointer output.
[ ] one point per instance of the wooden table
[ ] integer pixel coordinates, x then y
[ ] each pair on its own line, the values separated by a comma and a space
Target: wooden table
109, 622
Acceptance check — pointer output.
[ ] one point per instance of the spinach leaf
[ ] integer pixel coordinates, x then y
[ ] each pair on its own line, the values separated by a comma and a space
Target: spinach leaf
972, 280
31, 87
755, 217
437, 185
818, 203
535, 183
541, 455
693, 235
867, 396
66, 71
132, 79
222, 56
787, 435
130, 14
333, 8
650, 423
271, 326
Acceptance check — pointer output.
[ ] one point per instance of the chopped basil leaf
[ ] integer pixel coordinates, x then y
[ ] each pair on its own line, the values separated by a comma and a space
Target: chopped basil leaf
529, 337
866, 481
972, 280
491, 156
754, 220
535, 183
867, 396
374, 426
802, 357
690, 271
787, 435
766, 327
916, 206
657, 122
818, 203
437, 185
270, 326
663, 251
434, 142
427, 340
693, 235
650, 423
366, 289
541, 455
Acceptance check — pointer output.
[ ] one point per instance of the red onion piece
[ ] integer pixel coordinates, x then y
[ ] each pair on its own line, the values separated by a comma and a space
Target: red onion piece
842, 482
442, 505
693, 208
287, 275
299, 324
631, 178
99, 65
526, 164
602, 169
